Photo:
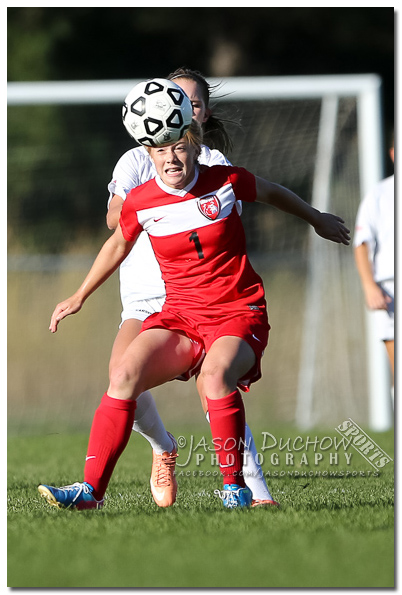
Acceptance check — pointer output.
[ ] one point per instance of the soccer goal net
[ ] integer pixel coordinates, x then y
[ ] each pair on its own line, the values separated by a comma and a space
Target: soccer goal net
319, 136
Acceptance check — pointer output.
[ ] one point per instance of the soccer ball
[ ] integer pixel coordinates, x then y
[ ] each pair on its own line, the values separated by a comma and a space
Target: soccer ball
157, 112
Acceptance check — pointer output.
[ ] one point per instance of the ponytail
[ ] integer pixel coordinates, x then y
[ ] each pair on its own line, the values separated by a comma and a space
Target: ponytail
215, 133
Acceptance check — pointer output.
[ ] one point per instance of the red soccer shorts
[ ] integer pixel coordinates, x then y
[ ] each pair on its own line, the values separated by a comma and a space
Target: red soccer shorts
250, 325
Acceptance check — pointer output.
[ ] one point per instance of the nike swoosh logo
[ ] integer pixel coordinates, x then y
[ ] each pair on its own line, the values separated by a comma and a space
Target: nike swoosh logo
92, 457
155, 493
156, 220
256, 338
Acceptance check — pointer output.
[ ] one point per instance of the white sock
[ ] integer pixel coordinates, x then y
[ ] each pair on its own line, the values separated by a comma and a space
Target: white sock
148, 423
252, 472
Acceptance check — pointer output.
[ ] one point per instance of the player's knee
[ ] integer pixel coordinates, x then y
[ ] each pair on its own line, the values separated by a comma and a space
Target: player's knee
124, 381
214, 379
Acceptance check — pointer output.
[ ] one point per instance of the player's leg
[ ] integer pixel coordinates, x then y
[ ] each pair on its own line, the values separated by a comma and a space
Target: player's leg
137, 370
147, 421
384, 320
110, 432
113, 420
163, 482
389, 345
135, 373
389, 327
252, 471
228, 359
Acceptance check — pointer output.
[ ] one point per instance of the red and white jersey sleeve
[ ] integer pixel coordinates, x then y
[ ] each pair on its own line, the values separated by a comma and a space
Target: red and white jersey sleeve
197, 237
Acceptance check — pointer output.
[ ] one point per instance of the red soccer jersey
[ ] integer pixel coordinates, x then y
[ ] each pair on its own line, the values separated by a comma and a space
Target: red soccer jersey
198, 238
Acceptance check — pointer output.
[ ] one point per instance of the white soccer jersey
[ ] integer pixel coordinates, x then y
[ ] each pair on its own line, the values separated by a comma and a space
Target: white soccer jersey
375, 226
140, 276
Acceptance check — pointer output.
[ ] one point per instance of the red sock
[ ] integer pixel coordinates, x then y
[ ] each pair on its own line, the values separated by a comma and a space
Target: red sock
228, 421
110, 432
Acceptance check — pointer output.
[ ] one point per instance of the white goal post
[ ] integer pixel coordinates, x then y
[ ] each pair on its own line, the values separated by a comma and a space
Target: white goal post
366, 89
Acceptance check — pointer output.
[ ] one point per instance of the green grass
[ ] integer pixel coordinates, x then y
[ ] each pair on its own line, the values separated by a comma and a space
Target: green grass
334, 532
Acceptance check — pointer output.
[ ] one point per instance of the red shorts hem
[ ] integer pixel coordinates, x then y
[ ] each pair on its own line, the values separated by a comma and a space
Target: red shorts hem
251, 326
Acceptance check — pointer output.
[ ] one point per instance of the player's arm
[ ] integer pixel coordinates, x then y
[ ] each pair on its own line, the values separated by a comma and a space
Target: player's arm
114, 210
111, 255
126, 176
328, 226
375, 298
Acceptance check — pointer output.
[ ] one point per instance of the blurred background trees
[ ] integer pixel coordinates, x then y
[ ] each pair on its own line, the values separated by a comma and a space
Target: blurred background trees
49, 44
99, 43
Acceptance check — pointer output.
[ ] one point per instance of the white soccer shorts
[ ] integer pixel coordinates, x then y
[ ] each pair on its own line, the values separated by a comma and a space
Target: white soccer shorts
141, 309
384, 319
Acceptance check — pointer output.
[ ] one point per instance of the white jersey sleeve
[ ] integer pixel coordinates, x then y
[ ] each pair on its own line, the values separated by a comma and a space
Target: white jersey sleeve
375, 227
133, 168
212, 157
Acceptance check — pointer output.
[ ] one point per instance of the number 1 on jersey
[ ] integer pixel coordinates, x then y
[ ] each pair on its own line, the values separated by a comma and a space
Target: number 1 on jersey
194, 238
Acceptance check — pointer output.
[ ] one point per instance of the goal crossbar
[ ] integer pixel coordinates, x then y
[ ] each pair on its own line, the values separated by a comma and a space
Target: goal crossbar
233, 89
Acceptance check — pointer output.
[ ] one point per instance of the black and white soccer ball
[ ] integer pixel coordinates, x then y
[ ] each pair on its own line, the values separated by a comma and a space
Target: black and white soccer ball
157, 112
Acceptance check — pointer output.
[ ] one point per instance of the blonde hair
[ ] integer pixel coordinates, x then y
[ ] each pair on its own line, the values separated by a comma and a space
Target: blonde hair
193, 137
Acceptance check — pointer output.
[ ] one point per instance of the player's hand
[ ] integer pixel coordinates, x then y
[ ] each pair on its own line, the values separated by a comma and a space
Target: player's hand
70, 306
376, 299
331, 227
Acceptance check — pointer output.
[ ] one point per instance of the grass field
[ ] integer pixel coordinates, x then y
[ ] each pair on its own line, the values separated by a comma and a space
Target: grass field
329, 532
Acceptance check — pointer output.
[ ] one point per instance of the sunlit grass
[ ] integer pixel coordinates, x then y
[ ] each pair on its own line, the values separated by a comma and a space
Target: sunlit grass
327, 532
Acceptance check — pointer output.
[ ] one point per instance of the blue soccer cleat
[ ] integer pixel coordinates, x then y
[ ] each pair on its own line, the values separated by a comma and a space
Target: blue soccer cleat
78, 495
234, 496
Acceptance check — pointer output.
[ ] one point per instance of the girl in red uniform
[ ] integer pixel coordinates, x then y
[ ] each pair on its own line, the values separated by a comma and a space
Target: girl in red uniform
214, 305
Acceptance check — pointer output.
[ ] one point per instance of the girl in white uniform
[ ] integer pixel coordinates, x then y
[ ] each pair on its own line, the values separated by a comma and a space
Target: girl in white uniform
374, 253
143, 293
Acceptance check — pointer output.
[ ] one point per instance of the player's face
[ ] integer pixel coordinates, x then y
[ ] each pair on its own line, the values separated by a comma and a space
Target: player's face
193, 91
175, 164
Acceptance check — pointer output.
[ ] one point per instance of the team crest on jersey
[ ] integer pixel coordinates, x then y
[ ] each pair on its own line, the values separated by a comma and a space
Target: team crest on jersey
210, 206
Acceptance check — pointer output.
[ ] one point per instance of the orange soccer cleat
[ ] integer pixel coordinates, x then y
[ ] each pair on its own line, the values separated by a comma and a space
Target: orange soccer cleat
163, 481
257, 502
